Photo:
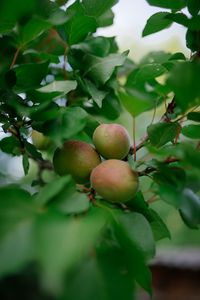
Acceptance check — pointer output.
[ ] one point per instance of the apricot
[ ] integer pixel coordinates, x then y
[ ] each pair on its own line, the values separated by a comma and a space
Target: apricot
111, 141
76, 158
115, 181
40, 141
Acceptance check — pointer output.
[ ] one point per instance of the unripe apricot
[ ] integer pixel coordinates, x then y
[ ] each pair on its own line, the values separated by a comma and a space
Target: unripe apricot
114, 180
40, 141
77, 159
111, 141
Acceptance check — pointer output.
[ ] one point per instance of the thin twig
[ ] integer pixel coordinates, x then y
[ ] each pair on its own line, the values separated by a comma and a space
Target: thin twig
15, 57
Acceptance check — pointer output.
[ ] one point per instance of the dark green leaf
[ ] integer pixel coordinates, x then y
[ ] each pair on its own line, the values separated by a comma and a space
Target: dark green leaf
25, 163
68, 123
30, 75
194, 116
156, 22
179, 18
34, 28
79, 24
162, 133
191, 131
192, 40
193, 7
184, 82
10, 145
96, 8
178, 4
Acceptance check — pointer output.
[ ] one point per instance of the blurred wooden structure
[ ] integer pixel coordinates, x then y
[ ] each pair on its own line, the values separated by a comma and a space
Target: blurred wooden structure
176, 275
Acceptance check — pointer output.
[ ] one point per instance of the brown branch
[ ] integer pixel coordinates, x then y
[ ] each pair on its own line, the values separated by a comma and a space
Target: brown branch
15, 57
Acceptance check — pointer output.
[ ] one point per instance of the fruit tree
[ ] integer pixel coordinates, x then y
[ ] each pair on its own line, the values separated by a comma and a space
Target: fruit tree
80, 221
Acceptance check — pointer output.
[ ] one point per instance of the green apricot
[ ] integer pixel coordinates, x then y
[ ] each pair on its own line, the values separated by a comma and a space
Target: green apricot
40, 141
115, 181
77, 159
111, 141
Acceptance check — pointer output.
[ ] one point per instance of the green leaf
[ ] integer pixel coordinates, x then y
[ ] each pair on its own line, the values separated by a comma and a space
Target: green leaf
25, 163
192, 40
194, 116
59, 246
33, 29
115, 274
193, 7
158, 227
96, 8
30, 75
178, 4
58, 88
191, 131
156, 22
16, 206
184, 82
162, 133
53, 188
179, 18
69, 122
190, 208
96, 94
100, 69
79, 24
139, 232
10, 145
137, 265
69, 202
20, 238
149, 71
136, 102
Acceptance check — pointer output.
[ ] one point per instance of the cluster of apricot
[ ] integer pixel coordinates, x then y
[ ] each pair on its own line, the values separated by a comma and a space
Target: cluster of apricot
102, 165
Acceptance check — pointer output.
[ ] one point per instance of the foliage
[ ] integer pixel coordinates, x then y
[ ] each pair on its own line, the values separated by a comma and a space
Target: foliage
58, 77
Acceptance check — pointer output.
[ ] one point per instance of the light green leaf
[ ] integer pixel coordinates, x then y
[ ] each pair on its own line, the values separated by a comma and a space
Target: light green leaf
137, 102
96, 94
149, 71
100, 69
59, 88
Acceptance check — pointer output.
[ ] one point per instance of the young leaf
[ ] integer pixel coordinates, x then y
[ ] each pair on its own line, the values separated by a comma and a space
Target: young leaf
156, 22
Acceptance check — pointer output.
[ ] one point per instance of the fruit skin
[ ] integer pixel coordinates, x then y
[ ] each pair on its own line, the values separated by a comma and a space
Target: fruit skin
40, 141
111, 141
115, 181
76, 158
